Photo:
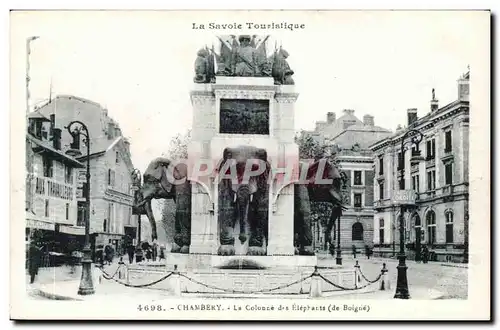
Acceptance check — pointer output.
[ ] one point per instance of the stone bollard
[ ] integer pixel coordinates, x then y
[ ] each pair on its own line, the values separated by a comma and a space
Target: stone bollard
357, 276
176, 282
315, 284
384, 282
121, 271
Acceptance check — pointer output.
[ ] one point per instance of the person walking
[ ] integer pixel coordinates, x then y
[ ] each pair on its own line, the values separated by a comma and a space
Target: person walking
162, 252
354, 251
130, 253
425, 254
34, 255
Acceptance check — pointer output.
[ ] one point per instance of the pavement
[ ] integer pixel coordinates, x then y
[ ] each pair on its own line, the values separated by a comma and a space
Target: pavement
426, 281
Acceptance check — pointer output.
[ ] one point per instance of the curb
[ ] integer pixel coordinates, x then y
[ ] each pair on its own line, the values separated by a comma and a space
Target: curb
53, 296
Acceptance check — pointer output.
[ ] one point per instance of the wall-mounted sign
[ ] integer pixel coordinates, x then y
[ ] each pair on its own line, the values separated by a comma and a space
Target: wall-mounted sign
404, 197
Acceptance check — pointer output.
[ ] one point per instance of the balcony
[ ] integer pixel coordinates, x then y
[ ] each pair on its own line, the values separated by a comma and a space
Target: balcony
447, 155
427, 194
382, 203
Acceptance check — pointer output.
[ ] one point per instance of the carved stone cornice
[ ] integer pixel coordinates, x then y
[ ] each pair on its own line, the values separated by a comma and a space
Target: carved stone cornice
287, 98
247, 93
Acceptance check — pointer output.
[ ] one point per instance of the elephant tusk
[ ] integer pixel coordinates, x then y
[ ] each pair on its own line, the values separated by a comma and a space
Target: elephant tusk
251, 198
234, 201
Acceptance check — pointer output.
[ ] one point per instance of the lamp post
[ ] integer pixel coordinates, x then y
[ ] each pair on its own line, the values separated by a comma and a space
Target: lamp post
344, 193
402, 291
136, 186
77, 128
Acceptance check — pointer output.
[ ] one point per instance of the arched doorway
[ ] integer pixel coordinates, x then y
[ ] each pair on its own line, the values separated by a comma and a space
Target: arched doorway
418, 234
357, 231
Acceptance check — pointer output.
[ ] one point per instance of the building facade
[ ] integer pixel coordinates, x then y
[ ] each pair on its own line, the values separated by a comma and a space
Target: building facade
51, 201
111, 195
351, 138
439, 218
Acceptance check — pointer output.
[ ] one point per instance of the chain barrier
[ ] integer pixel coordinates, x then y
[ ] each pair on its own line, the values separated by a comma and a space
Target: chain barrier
213, 287
367, 280
246, 291
108, 277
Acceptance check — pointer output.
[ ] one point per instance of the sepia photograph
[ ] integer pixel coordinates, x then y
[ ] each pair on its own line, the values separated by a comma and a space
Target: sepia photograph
250, 165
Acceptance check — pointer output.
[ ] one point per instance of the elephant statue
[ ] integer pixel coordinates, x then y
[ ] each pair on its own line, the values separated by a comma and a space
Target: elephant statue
158, 183
309, 191
244, 199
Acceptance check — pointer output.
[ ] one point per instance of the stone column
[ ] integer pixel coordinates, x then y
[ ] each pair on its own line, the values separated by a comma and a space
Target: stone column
281, 203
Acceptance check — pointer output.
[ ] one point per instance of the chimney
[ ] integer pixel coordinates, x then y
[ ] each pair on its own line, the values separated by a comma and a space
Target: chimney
330, 117
463, 87
368, 120
127, 144
412, 116
348, 111
56, 138
111, 131
118, 131
52, 123
320, 125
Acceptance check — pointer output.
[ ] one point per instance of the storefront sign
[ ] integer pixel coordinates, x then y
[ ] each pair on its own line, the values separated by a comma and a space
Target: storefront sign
36, 224
404, 197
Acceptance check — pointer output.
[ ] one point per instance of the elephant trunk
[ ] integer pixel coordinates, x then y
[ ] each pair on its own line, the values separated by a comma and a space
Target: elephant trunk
243, 198
151, 218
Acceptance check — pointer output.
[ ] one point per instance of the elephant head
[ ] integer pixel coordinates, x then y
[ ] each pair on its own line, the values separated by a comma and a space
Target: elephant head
243, 196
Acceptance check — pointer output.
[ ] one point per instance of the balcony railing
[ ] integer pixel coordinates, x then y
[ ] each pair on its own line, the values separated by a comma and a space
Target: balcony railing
430, 161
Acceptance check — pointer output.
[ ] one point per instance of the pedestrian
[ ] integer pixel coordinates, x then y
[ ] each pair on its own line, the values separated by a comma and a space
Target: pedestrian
130, 252
367, 251
109, 254
162, 252
34, 254
149, 254
354, 251
425, 254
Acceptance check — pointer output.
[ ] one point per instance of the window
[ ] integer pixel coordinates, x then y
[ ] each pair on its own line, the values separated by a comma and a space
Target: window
431, 227
358, 178
431, 180
431, 149
80, 218
48, 167
357, 200
68, 174
447, 141
415, 180
449, 227
111, 217
402, 183
381, 231
117, 157
47, 210
111, 178
381, 165
448, 173
381, 190
67, 211
357, 231
401, 160
105, 225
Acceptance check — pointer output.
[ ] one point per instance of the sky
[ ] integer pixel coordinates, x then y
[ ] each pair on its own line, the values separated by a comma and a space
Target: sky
140, 65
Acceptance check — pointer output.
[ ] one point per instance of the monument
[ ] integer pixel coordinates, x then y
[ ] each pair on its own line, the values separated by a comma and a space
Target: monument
243, 101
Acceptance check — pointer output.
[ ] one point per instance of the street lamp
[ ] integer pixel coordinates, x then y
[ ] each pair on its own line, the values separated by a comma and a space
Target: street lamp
136, 186
402, 282
77, 128
344, 192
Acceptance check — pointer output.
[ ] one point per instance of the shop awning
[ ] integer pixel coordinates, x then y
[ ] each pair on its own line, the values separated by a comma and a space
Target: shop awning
72, 230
